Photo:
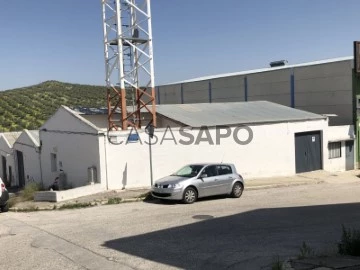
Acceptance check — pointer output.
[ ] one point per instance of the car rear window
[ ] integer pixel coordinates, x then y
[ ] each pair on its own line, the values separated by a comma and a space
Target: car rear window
224, 169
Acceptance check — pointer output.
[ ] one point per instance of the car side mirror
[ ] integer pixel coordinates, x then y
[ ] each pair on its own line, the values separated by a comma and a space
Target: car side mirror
204, 175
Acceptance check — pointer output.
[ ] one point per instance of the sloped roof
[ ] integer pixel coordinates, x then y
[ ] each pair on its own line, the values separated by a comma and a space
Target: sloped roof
81, 110
35, 135
227, 113
11, 137
234, 113
326, 61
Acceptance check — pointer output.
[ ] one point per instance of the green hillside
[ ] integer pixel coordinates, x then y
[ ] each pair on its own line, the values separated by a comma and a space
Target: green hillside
29, 107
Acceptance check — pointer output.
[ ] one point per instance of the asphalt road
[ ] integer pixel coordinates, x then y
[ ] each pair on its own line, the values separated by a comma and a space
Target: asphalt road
218, 233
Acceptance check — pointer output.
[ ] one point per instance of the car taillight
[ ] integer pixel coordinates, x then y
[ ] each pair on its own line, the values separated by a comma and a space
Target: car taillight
2, 187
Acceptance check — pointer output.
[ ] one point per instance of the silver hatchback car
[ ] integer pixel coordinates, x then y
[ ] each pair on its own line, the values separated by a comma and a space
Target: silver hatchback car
195, 181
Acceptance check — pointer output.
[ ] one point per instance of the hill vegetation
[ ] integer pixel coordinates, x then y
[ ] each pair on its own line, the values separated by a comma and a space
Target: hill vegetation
29, 107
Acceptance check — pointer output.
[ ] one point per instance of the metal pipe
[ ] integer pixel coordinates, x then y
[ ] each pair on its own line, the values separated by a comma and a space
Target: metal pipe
150, 153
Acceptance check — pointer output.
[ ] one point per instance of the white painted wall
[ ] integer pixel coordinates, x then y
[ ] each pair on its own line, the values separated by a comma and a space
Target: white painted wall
341, 133
8, 153
75, 153
336, 134
271, 153
31, 155
75, 142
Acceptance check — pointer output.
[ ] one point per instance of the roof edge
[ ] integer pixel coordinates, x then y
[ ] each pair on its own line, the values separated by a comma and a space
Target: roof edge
36, 143
265, 122
78, 117
6, 140
260, 70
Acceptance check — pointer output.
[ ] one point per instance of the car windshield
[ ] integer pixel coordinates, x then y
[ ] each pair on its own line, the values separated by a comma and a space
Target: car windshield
188, 171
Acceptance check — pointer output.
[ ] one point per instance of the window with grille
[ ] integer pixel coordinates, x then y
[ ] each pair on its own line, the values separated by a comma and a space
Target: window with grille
334, 150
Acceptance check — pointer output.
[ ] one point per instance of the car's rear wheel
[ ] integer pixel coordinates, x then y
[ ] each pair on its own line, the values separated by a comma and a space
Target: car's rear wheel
237, 190
5, 208
190, 195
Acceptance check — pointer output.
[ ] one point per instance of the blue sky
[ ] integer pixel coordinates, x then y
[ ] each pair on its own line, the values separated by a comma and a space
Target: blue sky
62, 40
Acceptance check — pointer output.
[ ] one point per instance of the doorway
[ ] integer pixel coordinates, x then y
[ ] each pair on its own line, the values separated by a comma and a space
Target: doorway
21, 171
10, 176
308, 151
349, 155
4, 167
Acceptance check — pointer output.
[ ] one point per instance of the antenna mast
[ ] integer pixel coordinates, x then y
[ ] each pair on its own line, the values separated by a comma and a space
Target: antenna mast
129, 63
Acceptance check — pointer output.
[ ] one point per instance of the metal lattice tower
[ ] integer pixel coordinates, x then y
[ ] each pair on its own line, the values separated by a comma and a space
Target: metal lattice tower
129, 62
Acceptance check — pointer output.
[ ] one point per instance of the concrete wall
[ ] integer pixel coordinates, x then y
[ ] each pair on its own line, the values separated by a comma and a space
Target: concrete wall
64, 195
272, 86
196, 92
228, 89
321, 88
8, 153
31, 154
325, 89
169, 94
128, 165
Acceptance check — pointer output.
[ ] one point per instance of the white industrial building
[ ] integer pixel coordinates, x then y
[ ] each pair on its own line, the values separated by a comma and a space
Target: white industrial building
7, 155
27, 158
282, 141
322, 87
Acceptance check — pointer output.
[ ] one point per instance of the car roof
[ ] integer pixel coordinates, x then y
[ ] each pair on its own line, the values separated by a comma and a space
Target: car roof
210, 163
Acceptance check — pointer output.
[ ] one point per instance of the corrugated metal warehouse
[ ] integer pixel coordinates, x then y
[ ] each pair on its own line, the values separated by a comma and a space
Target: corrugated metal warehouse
323, 87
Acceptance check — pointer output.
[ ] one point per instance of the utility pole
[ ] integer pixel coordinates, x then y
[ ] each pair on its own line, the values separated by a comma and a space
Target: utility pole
150, 131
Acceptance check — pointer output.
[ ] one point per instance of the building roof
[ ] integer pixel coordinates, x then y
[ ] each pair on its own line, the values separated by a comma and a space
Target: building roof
81, 110
234, 113
227, 113
35, 135
11, 137
332, 60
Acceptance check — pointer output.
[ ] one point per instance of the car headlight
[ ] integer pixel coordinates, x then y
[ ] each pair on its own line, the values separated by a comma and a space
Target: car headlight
174, 186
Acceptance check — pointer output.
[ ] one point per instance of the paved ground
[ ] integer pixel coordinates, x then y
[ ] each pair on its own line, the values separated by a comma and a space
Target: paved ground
136, 194
217, 233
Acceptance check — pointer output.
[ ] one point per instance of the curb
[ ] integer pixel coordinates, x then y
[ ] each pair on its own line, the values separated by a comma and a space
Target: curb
55, 207
283, 185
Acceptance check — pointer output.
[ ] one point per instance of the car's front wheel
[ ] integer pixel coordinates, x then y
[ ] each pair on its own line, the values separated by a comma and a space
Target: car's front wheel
237, 190
5, 208
190, 195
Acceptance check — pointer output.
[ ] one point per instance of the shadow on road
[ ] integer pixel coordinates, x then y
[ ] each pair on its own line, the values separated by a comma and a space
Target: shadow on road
172, 202
242, 240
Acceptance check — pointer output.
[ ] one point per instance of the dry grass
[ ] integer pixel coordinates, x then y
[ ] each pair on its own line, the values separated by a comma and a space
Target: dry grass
27, 194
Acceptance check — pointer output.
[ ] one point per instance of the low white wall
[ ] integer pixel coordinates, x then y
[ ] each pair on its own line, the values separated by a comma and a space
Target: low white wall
64, 195
341, 133
270, 153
